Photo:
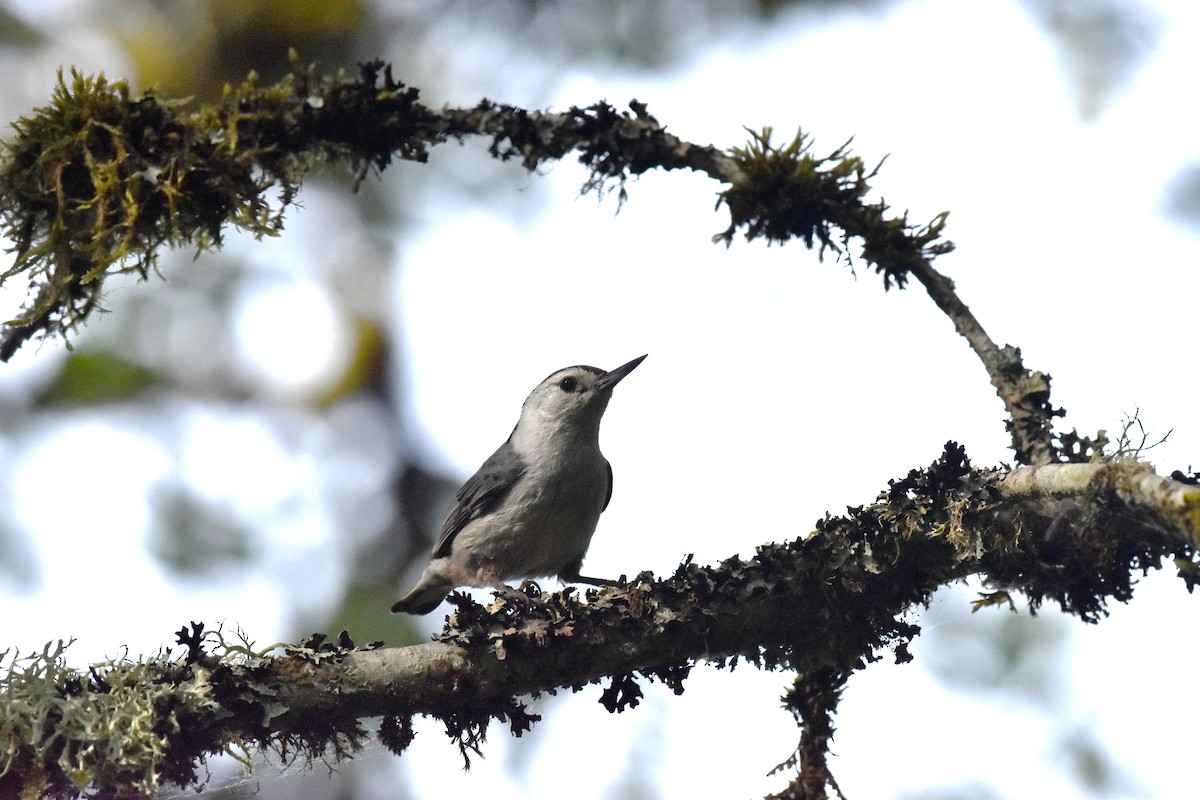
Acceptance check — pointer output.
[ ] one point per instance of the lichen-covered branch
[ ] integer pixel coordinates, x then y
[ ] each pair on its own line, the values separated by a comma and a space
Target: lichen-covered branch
813, 698
99, 180
1025, 392
823, 605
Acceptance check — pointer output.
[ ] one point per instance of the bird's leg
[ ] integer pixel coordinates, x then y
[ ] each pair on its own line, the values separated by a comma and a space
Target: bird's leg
571, 575
591, 581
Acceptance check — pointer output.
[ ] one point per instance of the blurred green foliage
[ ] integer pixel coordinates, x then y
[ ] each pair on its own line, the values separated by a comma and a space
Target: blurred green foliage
97, 376
196, 48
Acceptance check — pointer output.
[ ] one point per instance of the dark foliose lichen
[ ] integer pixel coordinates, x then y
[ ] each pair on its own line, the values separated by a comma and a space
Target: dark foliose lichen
824, 606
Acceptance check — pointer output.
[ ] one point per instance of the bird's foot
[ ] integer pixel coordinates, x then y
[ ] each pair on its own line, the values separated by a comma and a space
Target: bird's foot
527, 596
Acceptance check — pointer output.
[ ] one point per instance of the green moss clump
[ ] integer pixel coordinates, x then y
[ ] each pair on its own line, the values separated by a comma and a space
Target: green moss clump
99, 180
94, 183
785, 192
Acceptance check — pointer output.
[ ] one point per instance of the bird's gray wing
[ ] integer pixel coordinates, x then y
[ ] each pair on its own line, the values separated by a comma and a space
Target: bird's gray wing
480, 494
608, 496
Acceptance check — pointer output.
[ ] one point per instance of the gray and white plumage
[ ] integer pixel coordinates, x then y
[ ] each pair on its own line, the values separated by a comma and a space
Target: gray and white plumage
531, 509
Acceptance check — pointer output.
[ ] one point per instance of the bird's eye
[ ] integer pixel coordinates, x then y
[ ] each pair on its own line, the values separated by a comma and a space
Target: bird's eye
568, 384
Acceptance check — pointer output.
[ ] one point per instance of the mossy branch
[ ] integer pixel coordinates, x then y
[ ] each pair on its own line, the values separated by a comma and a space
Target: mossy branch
99, 180
823, 605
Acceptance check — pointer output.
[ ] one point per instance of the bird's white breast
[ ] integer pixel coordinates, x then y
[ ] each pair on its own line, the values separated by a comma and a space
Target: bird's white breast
547, 520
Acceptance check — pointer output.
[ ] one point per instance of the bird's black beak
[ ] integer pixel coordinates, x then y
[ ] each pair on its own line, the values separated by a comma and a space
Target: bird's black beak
611, 378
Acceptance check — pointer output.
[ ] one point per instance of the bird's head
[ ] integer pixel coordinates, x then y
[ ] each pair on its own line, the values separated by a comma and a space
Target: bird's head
573, 397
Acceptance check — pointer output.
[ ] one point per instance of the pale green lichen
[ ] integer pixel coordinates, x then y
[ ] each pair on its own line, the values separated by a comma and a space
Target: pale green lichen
126, 727
62, 729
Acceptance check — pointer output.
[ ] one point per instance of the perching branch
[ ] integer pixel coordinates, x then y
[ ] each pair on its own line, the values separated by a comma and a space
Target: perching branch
823, 605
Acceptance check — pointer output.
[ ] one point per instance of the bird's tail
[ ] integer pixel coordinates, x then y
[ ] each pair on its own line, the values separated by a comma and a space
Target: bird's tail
424, 597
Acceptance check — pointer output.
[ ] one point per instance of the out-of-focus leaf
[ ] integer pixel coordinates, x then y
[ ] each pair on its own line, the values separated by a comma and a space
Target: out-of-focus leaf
169, 47
195, 48
14, 32
367, 368
1084, 755
364, 610
1102, 44
305, 17
98, 376
20, 568
1183, 196
196, 537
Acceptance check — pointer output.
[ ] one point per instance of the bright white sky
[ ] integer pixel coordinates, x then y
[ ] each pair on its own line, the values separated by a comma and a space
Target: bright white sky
776, 389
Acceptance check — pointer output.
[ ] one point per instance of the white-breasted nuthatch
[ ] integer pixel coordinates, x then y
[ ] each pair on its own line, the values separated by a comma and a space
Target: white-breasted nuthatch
531, 509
